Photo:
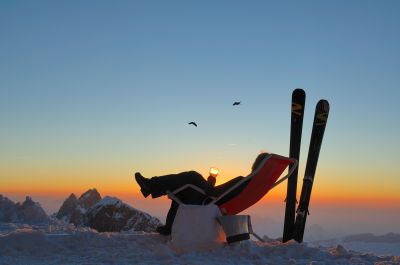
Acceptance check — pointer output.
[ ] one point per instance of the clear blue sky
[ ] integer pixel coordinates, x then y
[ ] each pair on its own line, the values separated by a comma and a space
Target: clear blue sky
111, 85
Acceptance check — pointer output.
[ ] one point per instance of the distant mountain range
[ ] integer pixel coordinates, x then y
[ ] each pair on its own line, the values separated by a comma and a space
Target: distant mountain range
387, 244
108, 214
371, 238
27, 212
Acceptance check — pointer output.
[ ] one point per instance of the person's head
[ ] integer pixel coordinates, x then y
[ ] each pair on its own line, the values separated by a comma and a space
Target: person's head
258, 160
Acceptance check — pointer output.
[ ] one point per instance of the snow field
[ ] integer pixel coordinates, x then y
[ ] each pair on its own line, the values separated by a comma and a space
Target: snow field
71, 245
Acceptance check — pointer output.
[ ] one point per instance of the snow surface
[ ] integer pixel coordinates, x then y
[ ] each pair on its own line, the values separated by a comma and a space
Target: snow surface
109, 200
388, 244
61, 243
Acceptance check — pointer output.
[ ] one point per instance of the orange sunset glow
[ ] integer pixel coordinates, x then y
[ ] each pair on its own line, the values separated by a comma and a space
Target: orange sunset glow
93, 92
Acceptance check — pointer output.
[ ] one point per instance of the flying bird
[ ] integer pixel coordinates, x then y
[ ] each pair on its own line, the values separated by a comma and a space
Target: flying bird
193, 123
236, 103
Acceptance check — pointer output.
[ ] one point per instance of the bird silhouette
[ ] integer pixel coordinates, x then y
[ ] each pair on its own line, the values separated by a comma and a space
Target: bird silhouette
236, 103
193, 123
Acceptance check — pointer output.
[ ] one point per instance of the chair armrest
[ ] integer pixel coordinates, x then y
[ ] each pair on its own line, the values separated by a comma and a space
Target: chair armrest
188, 186
171, 194
294, 163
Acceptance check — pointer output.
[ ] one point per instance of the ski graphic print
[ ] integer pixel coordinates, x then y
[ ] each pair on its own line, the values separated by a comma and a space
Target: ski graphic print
320, 119
296, 126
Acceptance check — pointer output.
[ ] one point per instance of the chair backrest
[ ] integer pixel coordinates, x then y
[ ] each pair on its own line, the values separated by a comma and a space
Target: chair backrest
260, 181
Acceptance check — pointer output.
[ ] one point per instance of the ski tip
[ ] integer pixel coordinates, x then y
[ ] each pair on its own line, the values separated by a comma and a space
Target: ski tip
323, 104
321, 112
299, 91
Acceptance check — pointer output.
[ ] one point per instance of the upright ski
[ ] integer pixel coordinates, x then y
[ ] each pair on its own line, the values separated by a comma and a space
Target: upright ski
296, 125
320, 119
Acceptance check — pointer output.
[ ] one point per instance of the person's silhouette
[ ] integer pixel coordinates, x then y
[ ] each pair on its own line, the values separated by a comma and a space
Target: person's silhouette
159, 185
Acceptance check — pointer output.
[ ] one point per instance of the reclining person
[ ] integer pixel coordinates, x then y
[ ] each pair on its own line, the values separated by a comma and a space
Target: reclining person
159, 185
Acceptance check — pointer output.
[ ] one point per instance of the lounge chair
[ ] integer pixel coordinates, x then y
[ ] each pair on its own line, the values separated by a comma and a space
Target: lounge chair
259, 182
244, 194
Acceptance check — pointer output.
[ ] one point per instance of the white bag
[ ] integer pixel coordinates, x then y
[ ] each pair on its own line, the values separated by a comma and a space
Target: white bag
196, 227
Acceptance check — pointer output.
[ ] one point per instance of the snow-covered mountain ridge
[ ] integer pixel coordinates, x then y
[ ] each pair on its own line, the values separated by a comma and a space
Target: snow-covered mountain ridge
112, 215
57, 241
26, 212
107, 214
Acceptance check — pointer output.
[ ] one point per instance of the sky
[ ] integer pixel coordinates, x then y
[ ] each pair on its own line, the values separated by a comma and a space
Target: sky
93, 91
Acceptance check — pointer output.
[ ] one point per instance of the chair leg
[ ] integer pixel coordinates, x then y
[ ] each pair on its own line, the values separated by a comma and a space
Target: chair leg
251, 231
171, 214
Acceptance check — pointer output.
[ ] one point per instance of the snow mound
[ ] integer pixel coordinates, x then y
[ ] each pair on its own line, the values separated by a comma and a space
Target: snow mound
62, 243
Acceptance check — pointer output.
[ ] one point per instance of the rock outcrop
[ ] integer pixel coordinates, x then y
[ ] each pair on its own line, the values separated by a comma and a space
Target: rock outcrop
73, 210
109, 214
112, 215
28, 212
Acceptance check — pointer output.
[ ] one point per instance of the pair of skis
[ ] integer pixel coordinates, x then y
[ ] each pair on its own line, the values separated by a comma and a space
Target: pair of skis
295, 220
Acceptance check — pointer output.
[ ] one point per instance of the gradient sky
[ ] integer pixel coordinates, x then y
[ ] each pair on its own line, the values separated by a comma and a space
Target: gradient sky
92, 91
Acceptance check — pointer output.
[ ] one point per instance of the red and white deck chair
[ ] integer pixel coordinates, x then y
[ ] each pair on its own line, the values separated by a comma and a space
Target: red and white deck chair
264, 178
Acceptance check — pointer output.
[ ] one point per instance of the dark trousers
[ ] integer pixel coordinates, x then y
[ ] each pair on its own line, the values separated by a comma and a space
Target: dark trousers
218, 190
160, 184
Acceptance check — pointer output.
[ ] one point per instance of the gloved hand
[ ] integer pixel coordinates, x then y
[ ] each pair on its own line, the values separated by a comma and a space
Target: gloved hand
211, 180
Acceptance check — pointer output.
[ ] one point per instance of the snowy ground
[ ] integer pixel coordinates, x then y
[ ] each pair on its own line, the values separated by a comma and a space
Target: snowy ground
366, 247
65, 244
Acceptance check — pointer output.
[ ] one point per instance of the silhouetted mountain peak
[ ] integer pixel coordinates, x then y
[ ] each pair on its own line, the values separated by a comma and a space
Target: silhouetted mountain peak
28, 212
89, 198
107, 214
113, 215
72, 197
8, 210
28, 202
71, 211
